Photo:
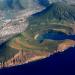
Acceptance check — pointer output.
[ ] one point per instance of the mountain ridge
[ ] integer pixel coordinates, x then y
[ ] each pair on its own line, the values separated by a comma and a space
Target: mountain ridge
59, 11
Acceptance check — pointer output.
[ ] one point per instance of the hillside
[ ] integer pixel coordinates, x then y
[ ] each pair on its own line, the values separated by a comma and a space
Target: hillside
59, 17
59, 11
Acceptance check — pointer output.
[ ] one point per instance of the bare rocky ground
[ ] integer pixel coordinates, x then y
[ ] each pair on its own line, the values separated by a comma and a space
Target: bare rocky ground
14, 26
23, 57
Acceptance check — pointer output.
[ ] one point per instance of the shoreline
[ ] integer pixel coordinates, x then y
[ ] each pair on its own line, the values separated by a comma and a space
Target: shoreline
21, 58
24, 57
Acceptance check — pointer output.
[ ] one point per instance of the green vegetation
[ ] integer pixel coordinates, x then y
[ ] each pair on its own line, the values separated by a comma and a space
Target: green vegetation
57, 16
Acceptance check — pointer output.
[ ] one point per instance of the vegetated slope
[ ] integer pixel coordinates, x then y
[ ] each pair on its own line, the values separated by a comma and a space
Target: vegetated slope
58, 16
59, 11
